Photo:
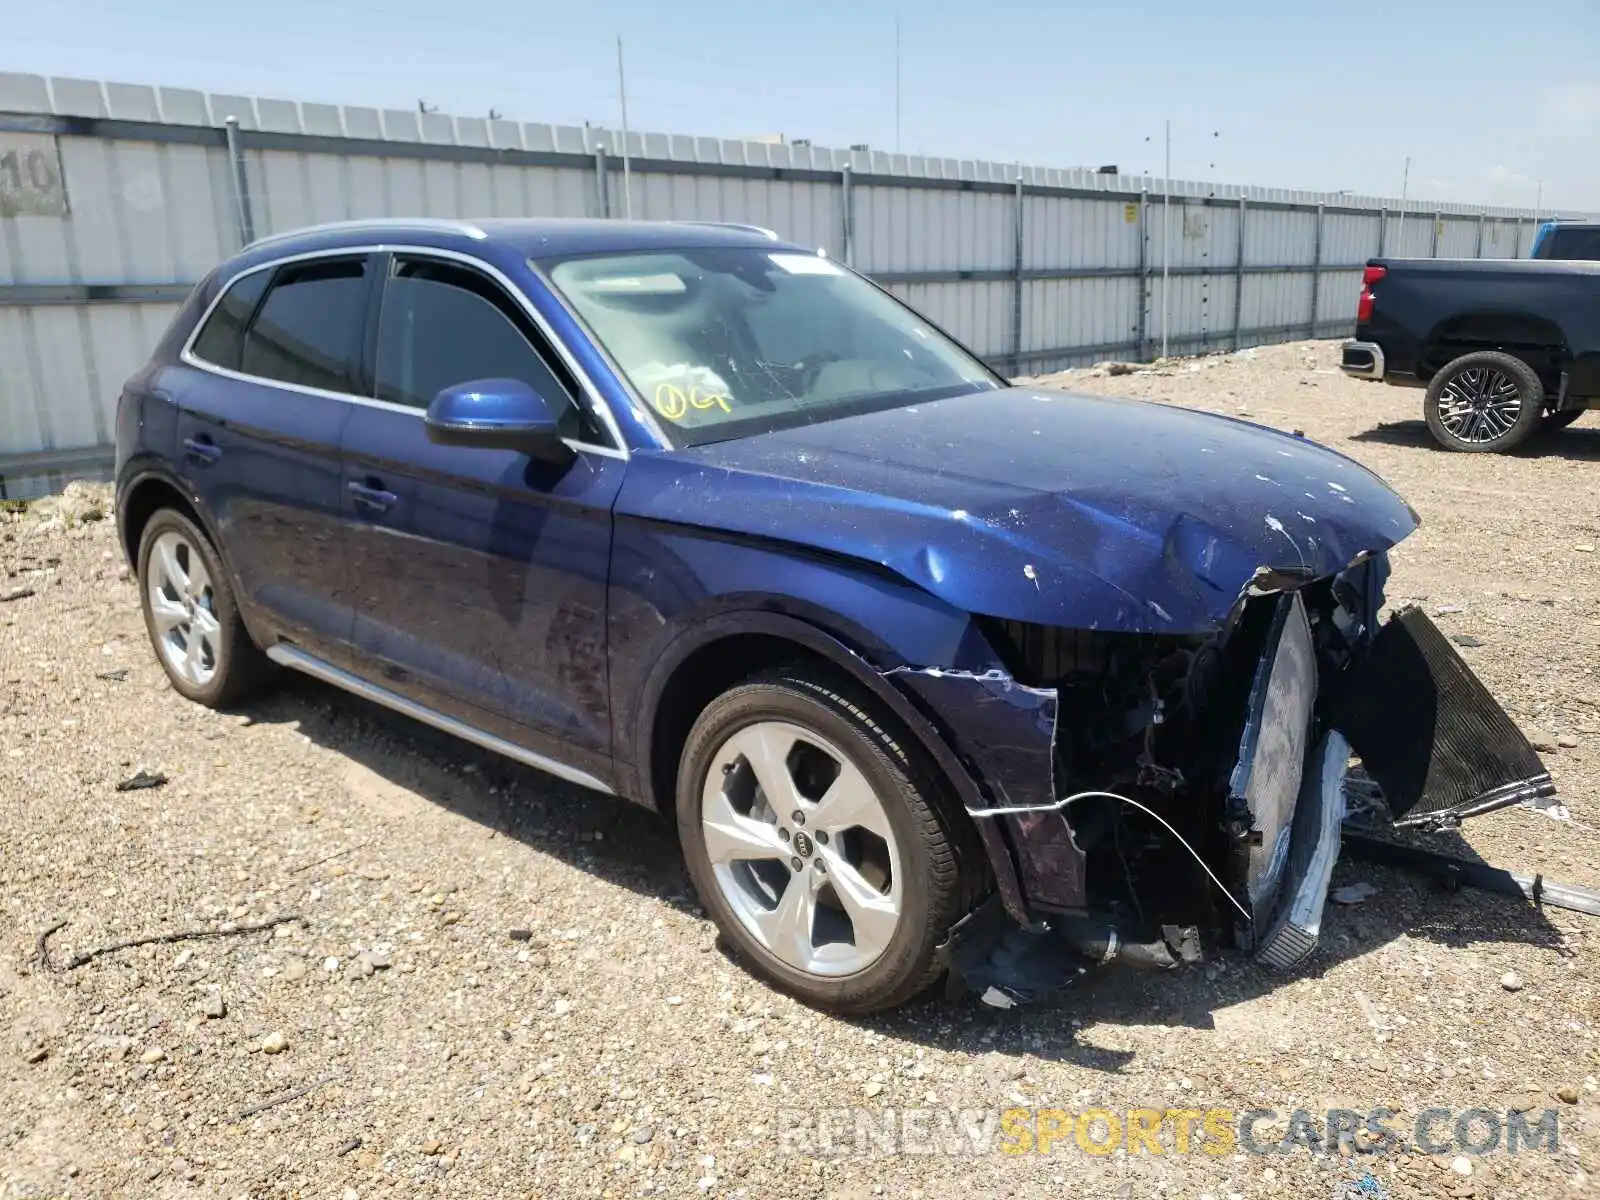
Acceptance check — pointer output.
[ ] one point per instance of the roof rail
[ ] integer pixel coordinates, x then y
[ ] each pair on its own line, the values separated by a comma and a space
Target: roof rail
769, 234
466, 228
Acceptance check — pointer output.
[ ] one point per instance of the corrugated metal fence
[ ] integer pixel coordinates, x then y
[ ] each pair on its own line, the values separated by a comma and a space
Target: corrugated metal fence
115, 198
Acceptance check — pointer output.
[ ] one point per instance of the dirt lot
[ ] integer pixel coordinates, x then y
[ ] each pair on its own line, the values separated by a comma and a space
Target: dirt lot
499, 986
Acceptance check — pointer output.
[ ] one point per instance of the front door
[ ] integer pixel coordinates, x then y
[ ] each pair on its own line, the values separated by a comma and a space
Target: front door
479, 575
262, 407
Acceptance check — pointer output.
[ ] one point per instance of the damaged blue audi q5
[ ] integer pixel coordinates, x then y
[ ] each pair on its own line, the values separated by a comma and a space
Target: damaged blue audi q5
939, 676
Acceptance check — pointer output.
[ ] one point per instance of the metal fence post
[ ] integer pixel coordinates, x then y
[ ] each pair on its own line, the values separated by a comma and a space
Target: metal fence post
241, 185
1478, 253
1383, 231
1016, 285
847, 228
602, 181
1316, 270
1238, 275
1438, 223
1142, 324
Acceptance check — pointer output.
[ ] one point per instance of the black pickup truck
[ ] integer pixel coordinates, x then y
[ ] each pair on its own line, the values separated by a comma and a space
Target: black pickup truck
1503, 347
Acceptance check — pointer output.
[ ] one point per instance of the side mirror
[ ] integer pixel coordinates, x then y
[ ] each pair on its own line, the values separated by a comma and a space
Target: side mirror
500, 414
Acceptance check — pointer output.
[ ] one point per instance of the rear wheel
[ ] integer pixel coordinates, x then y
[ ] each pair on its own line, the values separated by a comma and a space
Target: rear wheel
1484, 402
815, 844
191, 616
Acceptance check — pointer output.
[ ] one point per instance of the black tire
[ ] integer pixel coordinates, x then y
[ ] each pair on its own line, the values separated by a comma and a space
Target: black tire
240, 667
1465, 376
933, 838
1560, 420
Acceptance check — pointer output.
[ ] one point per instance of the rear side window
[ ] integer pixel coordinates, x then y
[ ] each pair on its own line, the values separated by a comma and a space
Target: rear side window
444, 324
221, 341
308, 331
1571, 243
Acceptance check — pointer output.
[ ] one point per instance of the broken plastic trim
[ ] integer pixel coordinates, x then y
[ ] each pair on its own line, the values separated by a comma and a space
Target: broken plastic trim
1001, 678
992, 675
1460, 872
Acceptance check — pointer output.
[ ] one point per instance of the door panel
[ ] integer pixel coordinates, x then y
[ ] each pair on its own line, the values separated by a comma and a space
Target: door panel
262, 453
265, 465
480, 575
480, 589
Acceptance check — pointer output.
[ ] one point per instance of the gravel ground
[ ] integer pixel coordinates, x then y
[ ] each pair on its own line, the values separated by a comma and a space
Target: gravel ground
497, 985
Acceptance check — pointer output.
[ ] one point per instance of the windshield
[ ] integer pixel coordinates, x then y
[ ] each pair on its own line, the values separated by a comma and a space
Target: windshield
727, 342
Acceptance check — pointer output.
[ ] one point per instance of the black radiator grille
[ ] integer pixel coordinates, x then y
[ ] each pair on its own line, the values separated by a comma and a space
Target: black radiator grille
1428, 731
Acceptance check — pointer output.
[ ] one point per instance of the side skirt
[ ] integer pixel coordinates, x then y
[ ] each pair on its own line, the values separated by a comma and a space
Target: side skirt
298, 660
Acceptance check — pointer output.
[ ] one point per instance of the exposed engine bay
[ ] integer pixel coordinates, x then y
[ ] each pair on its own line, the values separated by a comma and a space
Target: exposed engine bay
1198, 782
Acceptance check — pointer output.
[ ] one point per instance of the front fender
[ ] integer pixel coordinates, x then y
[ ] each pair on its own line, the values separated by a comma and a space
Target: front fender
675, 591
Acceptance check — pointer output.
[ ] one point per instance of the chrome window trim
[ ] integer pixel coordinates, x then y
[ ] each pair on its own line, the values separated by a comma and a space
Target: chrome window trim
591, 394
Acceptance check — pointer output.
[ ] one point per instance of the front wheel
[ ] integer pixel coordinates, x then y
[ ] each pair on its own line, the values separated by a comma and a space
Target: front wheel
1484, 402
816, 845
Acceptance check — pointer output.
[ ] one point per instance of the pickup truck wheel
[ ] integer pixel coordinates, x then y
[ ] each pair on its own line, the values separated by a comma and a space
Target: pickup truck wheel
1560, 420
1484, 402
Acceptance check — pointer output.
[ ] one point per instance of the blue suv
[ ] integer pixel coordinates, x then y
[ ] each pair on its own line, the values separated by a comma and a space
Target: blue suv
937, 674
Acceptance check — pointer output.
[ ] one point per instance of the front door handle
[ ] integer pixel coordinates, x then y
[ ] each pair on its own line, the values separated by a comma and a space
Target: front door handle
372, 498
201, 450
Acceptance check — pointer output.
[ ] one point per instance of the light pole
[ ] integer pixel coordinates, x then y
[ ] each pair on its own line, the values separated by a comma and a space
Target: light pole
897, 79
627, 173
1400, 227
1166, 221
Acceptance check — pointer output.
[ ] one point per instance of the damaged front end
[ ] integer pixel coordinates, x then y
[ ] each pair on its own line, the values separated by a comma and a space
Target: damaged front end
1151, 795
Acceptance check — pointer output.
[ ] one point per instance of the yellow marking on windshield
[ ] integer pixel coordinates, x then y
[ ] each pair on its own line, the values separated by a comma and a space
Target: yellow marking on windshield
673, 404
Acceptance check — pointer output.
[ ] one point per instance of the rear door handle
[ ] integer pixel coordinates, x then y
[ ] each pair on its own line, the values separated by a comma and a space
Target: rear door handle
202, 450
375, 499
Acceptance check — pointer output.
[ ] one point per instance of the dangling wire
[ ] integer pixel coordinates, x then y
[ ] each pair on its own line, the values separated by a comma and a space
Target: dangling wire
1073, 799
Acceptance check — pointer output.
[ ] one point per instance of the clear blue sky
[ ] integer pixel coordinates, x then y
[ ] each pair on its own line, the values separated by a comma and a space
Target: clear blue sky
1486, 98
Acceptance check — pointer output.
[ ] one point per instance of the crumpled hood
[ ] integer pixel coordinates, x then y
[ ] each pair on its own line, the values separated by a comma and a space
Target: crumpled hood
1059, 509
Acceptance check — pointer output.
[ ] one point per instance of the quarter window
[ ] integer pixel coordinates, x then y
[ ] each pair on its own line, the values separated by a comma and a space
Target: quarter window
221, 342
308, 331
443, 324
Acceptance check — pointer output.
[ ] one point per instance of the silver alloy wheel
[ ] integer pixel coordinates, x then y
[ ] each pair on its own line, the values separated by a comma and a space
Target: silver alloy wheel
802, 849
1480, 404
183, 609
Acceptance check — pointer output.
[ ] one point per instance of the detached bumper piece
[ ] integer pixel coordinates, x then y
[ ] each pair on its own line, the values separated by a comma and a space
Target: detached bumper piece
1429, 733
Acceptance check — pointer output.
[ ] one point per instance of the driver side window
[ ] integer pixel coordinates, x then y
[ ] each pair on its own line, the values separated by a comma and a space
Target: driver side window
444, 324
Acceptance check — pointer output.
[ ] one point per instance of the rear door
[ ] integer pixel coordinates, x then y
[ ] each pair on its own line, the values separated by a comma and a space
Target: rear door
259, 426
480, 574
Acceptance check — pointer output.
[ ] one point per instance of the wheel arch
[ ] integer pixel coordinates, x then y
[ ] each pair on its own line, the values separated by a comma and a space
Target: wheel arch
730, 647
1537, 341
715, 654
141, 498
